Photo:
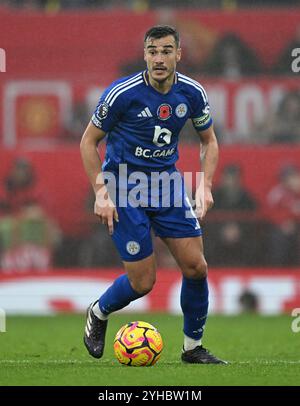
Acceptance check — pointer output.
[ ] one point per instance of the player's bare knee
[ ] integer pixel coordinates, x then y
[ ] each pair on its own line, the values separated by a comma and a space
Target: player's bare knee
201, 270
197, 270
144, 285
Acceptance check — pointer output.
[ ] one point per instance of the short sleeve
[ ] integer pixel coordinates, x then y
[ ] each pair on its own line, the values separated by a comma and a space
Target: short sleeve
201, 115
109, 110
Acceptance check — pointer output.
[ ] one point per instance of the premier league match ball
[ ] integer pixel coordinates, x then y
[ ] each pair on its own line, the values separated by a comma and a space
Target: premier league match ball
138, 344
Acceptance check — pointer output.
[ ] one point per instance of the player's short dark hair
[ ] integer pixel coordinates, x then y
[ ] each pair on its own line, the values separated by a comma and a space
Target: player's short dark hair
161, 31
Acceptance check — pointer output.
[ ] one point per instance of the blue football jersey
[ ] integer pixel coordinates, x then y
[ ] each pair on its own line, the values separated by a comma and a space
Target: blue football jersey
143, 125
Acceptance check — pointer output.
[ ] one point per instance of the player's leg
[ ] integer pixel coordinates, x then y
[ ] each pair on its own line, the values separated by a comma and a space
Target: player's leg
188, 253
135, 283
179, 228
133, 240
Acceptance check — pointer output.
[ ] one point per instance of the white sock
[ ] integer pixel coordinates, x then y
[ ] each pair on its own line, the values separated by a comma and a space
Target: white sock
97, 312
190, 343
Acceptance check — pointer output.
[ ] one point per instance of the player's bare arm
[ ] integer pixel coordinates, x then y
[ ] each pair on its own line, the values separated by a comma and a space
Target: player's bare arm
209, 160
104, 207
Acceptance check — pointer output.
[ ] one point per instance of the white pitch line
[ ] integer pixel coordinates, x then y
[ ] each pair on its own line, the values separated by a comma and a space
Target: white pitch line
266, 361
49, 361
76, 361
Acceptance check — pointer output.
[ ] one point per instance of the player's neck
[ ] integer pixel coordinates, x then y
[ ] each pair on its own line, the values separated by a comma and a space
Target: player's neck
162, 87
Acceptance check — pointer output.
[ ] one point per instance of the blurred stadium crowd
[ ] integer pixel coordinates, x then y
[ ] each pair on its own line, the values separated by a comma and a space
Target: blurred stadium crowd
142, 5
247, 227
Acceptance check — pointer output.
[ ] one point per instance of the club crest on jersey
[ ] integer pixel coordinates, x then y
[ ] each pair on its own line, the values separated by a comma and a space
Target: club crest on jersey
164, 111
102, 111
181, 110
133, 247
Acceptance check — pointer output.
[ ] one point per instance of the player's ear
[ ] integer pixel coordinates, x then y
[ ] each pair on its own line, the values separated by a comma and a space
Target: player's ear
145, 54
178, 54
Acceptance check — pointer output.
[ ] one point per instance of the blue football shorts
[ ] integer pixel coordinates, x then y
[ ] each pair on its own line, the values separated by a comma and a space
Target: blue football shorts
132, 234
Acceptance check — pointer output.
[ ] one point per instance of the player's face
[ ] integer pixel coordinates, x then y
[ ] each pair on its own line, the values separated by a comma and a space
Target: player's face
161, 56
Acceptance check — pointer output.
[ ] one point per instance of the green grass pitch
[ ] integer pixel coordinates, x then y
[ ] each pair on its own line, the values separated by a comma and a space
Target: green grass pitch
50, 351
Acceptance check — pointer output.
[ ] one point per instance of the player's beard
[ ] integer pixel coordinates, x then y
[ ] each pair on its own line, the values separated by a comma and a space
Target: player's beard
164, 78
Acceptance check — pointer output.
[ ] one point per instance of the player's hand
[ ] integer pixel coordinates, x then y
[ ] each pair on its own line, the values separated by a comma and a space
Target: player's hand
105, 209
204, 201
